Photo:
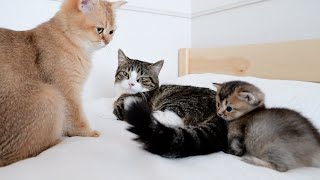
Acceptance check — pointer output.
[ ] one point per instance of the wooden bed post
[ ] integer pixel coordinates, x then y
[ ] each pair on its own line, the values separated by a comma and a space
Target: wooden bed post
183, 61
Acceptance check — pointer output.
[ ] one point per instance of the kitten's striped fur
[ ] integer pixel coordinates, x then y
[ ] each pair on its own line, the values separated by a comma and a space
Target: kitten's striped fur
201, 131
276, 138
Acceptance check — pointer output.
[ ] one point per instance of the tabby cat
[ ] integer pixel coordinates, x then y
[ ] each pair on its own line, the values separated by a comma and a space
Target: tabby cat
42, 72
172, 121
277, 138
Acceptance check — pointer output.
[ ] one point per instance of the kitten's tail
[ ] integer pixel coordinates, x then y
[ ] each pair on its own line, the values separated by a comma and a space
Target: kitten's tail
174, 142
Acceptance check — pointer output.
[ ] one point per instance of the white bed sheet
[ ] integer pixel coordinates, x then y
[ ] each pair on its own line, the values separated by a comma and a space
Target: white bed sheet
115, 156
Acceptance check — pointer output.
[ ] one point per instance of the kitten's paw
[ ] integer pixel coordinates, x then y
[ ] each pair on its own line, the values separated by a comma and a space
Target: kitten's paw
259, 162
236, 148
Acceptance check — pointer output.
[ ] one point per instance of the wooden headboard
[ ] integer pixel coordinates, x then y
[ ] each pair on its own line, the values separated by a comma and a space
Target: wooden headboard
295, 60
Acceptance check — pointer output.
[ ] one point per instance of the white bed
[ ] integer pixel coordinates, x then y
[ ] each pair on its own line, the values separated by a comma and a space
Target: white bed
115, 156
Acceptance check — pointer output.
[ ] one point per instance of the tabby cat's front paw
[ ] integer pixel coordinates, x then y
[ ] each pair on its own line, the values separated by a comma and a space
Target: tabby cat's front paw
118, 112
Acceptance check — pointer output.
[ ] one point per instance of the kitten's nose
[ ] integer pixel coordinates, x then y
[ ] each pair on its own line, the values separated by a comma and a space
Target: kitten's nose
220, 114
131, 84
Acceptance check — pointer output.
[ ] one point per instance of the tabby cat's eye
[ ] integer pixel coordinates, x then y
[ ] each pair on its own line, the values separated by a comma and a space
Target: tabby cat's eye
111, 32
229, 109
125, 74
142, 79
100, 30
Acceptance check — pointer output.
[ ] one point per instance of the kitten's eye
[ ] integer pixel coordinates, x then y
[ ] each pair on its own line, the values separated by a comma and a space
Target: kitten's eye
229, 109
100, 30
218, 104
111, 32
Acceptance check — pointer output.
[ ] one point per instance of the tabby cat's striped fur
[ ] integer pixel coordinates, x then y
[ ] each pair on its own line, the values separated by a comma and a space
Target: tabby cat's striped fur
170, 120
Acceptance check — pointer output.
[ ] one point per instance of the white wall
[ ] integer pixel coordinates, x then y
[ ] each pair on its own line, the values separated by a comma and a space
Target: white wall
154, 30
144, 36
177, 6
266, 21
146, 30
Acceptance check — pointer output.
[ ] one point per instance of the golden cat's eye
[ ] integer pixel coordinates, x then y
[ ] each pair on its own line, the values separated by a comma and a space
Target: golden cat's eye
100, 30
111, 32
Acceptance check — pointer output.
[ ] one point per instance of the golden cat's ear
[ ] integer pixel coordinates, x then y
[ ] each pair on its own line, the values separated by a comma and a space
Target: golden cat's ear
217, 85
122, 58
86, 6
117, 4
156, 67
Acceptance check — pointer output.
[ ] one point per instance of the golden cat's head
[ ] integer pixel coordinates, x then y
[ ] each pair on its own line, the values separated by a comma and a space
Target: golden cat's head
89, 22
236, 98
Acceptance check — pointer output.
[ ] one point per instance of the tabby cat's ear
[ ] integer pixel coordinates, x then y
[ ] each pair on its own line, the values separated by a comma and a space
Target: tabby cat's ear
122, 58
117, 4
247, 96
156, 67
86, 6
217, 85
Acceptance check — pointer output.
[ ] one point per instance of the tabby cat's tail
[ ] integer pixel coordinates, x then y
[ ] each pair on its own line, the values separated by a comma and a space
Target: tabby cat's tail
174, 142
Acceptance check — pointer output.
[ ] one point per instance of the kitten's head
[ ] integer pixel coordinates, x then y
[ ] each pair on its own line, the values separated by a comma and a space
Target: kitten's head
134, 76
89, 23
236, 98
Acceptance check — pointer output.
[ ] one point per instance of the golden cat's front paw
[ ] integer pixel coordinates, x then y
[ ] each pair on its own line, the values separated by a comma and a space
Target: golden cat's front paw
95, 133
84, 133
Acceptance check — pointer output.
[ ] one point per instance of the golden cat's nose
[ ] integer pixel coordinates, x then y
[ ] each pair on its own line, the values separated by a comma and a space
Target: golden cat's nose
105, 41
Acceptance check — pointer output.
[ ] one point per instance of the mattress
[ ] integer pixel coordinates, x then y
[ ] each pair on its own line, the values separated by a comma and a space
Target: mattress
115, 156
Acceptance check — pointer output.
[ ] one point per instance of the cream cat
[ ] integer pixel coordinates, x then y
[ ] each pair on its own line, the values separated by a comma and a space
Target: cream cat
42, 72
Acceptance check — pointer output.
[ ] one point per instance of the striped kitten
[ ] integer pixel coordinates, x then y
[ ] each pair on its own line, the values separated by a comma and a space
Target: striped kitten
170, 120
276, 138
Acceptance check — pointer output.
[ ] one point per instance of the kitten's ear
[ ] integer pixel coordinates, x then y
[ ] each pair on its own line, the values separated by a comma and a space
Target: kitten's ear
122, 58
217, 85
117, 4
86, 6
156, 67
247, 96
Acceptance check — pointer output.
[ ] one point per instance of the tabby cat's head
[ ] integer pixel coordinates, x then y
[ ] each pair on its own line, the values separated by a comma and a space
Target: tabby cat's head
89, 23
236, 98
134, 76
